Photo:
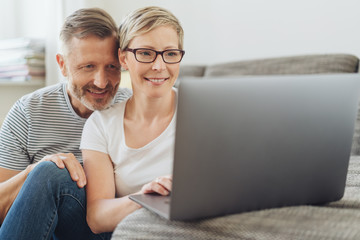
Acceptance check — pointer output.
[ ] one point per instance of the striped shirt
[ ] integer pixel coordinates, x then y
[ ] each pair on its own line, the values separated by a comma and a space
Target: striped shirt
42, 123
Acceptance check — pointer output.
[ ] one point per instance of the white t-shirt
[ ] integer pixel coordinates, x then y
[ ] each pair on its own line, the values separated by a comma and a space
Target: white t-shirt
104, 132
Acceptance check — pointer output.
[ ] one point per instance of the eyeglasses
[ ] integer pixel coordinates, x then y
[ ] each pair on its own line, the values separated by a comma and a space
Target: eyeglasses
145, 55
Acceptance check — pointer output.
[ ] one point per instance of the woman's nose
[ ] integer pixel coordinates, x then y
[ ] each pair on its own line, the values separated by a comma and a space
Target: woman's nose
159, 64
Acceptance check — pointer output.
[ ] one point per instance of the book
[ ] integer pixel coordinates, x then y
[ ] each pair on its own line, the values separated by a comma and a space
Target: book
22, 59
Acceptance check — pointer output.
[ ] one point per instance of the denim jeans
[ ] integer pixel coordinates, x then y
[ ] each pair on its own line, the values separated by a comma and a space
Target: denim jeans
49, 206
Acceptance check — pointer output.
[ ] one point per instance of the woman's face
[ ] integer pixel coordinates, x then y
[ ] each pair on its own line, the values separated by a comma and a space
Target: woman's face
157, 78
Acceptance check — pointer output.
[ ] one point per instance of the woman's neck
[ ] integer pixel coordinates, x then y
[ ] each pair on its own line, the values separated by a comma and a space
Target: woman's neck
143, 108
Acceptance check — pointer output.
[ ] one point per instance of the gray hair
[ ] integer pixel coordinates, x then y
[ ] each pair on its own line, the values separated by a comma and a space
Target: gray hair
88, 22
146, 19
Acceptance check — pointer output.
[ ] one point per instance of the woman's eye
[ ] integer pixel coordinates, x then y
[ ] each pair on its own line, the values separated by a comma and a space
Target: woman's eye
172, 54
145, 53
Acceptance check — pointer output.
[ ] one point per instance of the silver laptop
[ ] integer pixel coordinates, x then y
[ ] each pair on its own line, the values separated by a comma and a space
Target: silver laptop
250, 143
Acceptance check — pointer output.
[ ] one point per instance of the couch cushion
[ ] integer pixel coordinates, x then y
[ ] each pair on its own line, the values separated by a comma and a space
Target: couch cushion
306, 64
337, 220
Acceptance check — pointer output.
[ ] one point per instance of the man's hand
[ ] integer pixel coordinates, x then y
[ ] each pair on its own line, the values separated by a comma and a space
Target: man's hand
68, 161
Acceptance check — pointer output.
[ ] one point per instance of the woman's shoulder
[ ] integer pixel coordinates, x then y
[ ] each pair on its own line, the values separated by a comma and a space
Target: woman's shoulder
115, 111
116, 107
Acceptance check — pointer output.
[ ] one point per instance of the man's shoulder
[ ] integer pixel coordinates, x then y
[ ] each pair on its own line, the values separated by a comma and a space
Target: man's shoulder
114, 113
42, 100
52, 91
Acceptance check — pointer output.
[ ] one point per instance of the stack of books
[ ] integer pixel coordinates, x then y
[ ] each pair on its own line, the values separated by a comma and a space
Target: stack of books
22, 59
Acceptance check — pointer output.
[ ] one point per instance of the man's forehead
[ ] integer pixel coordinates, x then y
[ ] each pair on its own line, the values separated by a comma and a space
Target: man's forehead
91, 38
90, 44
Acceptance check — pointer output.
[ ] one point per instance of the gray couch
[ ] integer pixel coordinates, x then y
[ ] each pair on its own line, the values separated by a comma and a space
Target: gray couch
336, 220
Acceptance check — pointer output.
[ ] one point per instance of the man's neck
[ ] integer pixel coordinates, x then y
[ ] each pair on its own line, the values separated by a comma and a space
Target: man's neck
78, 107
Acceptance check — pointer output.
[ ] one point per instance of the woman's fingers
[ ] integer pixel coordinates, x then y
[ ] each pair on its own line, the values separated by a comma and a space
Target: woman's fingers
161, 185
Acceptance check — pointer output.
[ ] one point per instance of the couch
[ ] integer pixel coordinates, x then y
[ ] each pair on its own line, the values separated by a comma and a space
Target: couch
335, 220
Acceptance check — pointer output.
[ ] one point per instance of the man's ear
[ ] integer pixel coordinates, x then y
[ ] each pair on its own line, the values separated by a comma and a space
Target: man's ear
61, 62
122, 61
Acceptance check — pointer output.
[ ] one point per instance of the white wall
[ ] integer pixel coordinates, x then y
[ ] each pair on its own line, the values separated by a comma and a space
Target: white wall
226, 30
215, 31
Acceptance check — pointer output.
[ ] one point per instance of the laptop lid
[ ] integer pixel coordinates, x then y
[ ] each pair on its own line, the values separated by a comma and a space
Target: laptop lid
249, 143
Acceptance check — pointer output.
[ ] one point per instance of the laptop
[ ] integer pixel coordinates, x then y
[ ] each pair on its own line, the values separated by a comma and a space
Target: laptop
251, 143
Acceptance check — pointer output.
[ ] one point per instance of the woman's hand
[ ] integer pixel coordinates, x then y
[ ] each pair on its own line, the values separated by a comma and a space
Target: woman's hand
161, 185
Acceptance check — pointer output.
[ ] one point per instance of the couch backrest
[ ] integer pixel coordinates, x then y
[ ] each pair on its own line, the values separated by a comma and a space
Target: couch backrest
305, 64
309, 64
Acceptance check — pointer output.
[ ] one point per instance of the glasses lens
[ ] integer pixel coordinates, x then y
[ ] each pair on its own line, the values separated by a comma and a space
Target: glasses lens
172, 56
145, 55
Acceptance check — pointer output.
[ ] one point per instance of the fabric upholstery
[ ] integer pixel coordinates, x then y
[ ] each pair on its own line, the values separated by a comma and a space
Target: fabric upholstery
337, 220
355, 148
192, 71
308, 64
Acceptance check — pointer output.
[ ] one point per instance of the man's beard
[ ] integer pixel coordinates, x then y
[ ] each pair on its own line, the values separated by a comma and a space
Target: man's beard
96, 104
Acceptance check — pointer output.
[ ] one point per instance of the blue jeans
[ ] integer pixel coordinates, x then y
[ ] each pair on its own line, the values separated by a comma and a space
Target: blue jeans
49, 206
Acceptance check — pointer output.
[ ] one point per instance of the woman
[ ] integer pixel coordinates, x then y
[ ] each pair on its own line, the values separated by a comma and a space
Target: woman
135, 139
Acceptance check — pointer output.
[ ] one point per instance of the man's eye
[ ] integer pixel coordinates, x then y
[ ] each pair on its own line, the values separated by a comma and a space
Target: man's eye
89, 66
113, 67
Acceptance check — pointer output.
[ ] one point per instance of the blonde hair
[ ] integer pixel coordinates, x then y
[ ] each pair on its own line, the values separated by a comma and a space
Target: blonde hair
88, 22
146, 19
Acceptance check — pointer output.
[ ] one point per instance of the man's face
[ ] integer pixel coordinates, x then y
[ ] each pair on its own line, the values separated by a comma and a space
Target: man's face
93, 71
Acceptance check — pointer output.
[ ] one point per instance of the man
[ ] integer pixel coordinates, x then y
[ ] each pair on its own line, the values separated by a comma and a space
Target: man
46, 126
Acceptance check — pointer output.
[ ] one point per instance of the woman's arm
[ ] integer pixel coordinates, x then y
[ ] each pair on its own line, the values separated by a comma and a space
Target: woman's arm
104, 211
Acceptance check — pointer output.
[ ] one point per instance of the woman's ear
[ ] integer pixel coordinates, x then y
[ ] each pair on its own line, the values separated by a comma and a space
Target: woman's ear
122, 55
61, 62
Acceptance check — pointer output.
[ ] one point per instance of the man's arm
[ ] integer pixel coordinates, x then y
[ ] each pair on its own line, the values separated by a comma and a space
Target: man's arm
12, 152
15, 156
11, 182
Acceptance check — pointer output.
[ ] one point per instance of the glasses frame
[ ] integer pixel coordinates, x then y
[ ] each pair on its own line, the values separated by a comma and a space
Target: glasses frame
133, 50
